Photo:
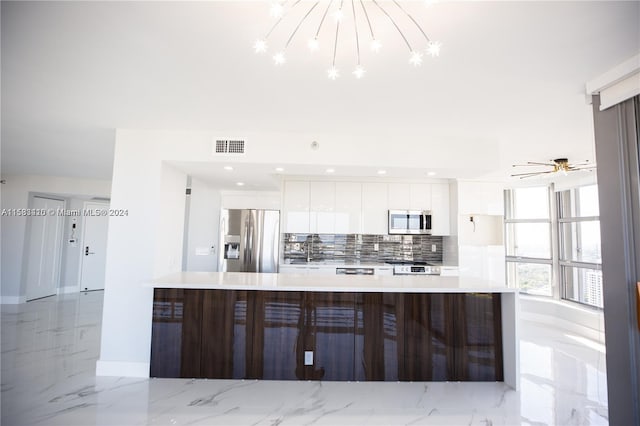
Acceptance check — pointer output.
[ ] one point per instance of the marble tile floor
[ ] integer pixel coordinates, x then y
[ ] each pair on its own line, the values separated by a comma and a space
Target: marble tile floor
50, 346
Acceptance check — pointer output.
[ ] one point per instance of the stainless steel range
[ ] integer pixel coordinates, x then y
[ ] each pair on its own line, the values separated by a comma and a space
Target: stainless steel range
414, 268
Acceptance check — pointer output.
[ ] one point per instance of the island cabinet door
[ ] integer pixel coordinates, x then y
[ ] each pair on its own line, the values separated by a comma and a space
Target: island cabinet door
176, 333
223, 353
376, 339
478, 333
276, 341
426, 334
328, 329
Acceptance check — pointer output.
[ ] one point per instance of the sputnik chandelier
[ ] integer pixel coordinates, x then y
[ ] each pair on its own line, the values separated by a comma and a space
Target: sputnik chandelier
315, 14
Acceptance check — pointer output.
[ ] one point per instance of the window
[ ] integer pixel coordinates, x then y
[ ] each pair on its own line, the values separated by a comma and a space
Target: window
539, 259
528, 240
579, 241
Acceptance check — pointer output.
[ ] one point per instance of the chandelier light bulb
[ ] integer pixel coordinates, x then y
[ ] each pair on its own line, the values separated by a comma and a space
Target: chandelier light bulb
279, 58
260, 46
359, 72
375, 45
333, 73
338, 15
415, 59
434, 48
276, 10
313, 44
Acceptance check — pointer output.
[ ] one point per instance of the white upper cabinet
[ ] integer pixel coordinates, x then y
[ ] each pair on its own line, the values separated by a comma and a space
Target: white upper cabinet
399, 196
322, 203
295, 206
348, 208
440, 223
375, 208
481, 198
321, 207
409, 196
420, 196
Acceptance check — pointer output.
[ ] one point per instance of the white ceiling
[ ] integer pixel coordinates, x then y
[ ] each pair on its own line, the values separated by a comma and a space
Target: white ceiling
511, 74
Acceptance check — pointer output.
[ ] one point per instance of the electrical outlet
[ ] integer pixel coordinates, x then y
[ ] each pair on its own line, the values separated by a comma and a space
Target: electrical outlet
433, 247
376, 247
308, 357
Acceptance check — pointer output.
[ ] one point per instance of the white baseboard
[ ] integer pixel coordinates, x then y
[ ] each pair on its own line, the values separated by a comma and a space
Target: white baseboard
13, 300
122, 369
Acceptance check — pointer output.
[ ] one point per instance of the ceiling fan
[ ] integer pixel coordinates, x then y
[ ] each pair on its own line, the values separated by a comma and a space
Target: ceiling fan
560, 165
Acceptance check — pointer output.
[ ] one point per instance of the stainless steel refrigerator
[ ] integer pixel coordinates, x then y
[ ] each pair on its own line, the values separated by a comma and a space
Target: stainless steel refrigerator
249, 240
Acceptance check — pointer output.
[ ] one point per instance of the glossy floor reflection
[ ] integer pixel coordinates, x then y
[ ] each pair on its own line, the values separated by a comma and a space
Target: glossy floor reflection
49, 349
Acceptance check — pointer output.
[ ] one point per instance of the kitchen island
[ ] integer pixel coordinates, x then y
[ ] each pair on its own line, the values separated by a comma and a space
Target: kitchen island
236, 325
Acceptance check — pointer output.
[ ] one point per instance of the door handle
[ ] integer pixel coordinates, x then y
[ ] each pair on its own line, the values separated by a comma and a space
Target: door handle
638, 303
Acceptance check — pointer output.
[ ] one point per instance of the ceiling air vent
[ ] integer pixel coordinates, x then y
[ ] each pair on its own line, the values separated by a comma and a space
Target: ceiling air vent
229, 146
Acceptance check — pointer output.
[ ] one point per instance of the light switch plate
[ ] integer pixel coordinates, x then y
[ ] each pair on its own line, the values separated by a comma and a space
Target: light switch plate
308, 357
433, 247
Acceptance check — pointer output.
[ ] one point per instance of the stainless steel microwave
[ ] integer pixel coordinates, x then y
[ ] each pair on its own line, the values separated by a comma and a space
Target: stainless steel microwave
410, 222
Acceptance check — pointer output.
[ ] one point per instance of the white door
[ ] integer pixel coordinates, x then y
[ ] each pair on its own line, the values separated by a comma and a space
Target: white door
94, 247
45, 243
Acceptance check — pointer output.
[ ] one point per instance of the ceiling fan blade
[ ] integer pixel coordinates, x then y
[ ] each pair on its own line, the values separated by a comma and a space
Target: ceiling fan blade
535, 163
572, 168
582, 163
524, 175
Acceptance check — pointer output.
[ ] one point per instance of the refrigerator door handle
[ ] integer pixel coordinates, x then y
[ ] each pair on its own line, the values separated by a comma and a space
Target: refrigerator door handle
251, 247
247, 248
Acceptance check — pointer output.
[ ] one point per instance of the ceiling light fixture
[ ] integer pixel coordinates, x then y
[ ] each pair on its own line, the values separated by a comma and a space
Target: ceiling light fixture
330, 170
228, 168
560, 165
382, 172
431, 173
370, 11
279, 169
240, 183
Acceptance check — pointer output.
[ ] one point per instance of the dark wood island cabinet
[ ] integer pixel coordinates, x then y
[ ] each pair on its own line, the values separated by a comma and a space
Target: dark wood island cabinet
327, 335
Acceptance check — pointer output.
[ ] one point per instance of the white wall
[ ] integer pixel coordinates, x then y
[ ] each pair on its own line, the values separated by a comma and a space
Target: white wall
266, 200
481, 250
485, 230
203, 229
168, 256
486, 263
572, 317
15, 194
143, 245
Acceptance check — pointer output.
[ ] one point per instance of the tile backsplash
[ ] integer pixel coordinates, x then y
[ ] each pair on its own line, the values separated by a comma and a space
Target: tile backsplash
361, 248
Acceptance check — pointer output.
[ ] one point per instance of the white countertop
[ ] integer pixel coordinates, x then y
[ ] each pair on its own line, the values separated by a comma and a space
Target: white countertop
338, 283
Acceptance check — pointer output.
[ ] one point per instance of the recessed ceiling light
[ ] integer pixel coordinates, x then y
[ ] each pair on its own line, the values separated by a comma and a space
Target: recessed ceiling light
240, 183
431, 173
229, 168
330, 170
279, 169
382, 172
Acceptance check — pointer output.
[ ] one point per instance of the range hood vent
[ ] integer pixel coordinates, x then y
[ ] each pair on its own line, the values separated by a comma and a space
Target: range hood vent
229, 146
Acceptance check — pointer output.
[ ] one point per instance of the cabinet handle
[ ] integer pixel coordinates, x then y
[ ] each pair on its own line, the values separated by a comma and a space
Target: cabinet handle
638, 304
